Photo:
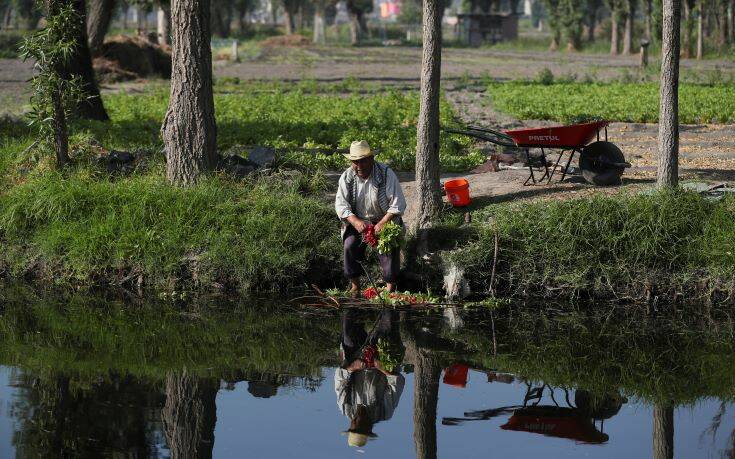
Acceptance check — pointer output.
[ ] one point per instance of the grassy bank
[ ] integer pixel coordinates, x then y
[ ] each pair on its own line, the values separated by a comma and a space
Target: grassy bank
78, 228
630, 102
627, 246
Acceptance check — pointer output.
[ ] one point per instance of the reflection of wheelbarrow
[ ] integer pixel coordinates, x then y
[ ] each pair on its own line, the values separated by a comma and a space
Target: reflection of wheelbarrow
601, 162
571, 422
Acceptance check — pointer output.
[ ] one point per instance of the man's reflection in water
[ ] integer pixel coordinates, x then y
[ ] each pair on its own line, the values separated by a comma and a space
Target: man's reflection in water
366, 392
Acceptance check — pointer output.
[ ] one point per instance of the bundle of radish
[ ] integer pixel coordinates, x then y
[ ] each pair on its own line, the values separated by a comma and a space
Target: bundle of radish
368, 236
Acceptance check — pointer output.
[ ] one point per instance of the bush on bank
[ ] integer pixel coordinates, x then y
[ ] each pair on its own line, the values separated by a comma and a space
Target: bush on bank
662, 243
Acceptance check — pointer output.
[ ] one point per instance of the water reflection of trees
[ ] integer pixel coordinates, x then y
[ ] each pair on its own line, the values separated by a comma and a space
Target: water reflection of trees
73, 358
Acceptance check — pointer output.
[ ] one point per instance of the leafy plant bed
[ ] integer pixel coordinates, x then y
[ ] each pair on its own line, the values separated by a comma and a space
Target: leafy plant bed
630, 102
329, 118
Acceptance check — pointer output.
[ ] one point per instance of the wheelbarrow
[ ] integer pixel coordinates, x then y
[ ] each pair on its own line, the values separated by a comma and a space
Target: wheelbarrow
601, 162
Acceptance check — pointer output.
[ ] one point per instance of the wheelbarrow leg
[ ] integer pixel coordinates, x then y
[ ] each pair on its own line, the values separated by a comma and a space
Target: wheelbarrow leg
566, 168
556, 164
546, 167
530, 169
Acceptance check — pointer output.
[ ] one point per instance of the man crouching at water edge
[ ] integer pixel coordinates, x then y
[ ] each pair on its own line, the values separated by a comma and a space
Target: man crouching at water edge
368, 193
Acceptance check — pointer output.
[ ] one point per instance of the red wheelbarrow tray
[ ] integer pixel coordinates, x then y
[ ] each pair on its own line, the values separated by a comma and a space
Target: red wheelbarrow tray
573, 136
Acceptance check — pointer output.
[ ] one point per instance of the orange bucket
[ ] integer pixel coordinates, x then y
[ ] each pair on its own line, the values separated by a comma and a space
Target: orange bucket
456, 375
458, 192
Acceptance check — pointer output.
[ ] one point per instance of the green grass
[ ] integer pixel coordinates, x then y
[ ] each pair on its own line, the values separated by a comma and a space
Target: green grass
86, 228
630, 102
663, 243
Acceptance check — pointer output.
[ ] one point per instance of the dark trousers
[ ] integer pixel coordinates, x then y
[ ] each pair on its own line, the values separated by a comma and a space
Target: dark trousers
354, 251
354, 335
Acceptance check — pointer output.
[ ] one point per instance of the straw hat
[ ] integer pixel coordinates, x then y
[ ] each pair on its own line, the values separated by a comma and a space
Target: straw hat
359, 149
358, 439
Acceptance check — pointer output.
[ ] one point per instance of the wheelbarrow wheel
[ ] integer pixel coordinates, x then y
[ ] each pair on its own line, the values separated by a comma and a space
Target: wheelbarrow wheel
602, 163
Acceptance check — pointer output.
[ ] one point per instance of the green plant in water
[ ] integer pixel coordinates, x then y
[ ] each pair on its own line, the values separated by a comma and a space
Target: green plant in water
54, 94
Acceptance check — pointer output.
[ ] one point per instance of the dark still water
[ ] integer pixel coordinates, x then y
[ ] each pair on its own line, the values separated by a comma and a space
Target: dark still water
95, 377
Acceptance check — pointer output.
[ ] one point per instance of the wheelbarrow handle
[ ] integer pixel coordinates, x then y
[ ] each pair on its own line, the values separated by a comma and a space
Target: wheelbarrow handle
497, 138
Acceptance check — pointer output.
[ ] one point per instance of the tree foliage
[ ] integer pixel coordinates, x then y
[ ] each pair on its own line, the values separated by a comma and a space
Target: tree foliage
54, 94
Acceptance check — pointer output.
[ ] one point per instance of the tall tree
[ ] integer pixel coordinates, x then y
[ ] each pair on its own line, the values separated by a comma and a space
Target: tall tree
668, 124
189, 131
98, 22
290, 10
593, 6
428, 197
688, 40
700, 29
79, 63
630, 9
663, 432
190, 414
616, 13
556, 24
222, 17
572, 17
357, 10
320, 9
163, 21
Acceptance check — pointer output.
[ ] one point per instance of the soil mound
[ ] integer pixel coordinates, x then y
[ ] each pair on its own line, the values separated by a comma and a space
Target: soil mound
286, 40
129, 57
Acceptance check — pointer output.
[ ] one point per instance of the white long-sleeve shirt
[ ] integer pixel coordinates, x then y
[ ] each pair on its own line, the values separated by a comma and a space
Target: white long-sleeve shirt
379, 393
367, 206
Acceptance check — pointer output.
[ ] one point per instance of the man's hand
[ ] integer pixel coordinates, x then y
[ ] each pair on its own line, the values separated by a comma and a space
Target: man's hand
357, 365
379, 226
359, 225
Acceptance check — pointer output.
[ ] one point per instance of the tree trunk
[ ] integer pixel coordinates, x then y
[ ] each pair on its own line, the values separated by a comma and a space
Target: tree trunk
98, 22
319, 23
628, 35
189, 131
722, 25
668, 125
354, 29
125, 10
592, 25
688, 28
163, 27
649, 20
288, 16
700, 30
731, 21
79, 65
614, 33
428, 197
663, 432
190, 413
140, 24
61, 136
425, 396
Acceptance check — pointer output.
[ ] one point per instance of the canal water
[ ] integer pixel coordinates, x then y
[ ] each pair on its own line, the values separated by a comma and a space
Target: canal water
101, 377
